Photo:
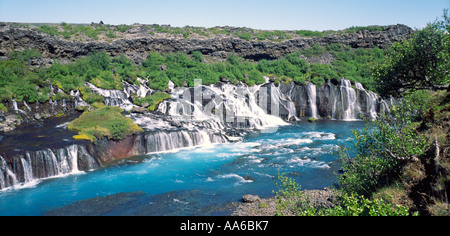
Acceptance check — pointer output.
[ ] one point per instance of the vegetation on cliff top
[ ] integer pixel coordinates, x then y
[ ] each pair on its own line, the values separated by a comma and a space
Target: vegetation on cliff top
110, 32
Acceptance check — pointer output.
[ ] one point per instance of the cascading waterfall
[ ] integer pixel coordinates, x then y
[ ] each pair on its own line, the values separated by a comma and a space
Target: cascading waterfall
31, 167
223, 106
162, 141
348, 100
7, 177
371, 100
312, 95
113, 97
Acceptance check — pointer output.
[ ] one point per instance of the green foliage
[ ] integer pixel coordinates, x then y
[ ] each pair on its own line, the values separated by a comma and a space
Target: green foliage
11, 71
3, 108
354, 205
292, 201
25, 55
91, 31
383, 147
355, 64
275, 35
314, 50
153, 100
25, 91
106, 121
309, 33
197, 56
51, 30
288, 196
421, 62
355, 29
123, 28
322, 71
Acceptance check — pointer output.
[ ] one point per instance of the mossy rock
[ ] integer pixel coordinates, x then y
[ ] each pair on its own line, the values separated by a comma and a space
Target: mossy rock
312, 119
106, 121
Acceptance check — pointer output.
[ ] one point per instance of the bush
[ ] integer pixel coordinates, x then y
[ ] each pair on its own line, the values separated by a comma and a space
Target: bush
292, 201
25, 55
309, 33
382, 148
51, 30
3, 108
314, 50
25, 91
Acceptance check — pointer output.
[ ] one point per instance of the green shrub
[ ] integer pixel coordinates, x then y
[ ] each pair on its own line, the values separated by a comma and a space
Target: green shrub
309, 33
382, 148
51, 30
123, 28
245, 36
290, 200
25, 91
353, 205
314, 50
25, 55
3, 108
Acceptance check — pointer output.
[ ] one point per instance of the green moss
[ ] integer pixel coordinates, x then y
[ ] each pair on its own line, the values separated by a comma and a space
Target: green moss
312, 119
3, 107
106, 121
153, 100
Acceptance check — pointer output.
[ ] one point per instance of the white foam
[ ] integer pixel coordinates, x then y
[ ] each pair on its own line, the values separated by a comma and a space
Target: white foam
306, 161
235, 176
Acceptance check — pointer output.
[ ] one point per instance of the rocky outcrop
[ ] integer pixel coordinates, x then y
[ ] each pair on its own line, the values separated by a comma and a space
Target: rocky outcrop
16, 38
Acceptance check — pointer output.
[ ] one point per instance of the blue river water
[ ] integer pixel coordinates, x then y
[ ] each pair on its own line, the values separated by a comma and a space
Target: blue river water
194, 181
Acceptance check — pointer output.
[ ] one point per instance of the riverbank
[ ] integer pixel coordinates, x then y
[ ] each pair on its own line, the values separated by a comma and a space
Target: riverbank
252, 205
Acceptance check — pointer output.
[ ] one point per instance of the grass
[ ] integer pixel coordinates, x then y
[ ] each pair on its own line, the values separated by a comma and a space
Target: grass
153, 100
106, 121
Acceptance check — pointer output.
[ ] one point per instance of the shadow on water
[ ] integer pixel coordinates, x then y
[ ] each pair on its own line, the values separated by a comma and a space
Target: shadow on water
175, 203
52, 133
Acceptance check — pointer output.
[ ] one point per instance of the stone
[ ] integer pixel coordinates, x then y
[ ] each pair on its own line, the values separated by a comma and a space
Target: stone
250, 198
13, 38
137, 109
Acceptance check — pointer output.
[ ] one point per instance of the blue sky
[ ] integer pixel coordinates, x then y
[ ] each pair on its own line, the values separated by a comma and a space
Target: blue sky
257, 14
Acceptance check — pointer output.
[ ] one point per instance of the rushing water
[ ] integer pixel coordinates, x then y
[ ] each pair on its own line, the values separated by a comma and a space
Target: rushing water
192, 181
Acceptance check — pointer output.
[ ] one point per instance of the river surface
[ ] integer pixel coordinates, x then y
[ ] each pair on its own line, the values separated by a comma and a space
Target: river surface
194, 181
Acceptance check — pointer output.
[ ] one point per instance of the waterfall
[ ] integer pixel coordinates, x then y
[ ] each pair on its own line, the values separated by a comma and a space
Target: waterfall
78, 99
224, 106
27, 170
161, 141
31, 167
16, 108
113, 97
7, 177
312, 95
287, 109
348, 99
